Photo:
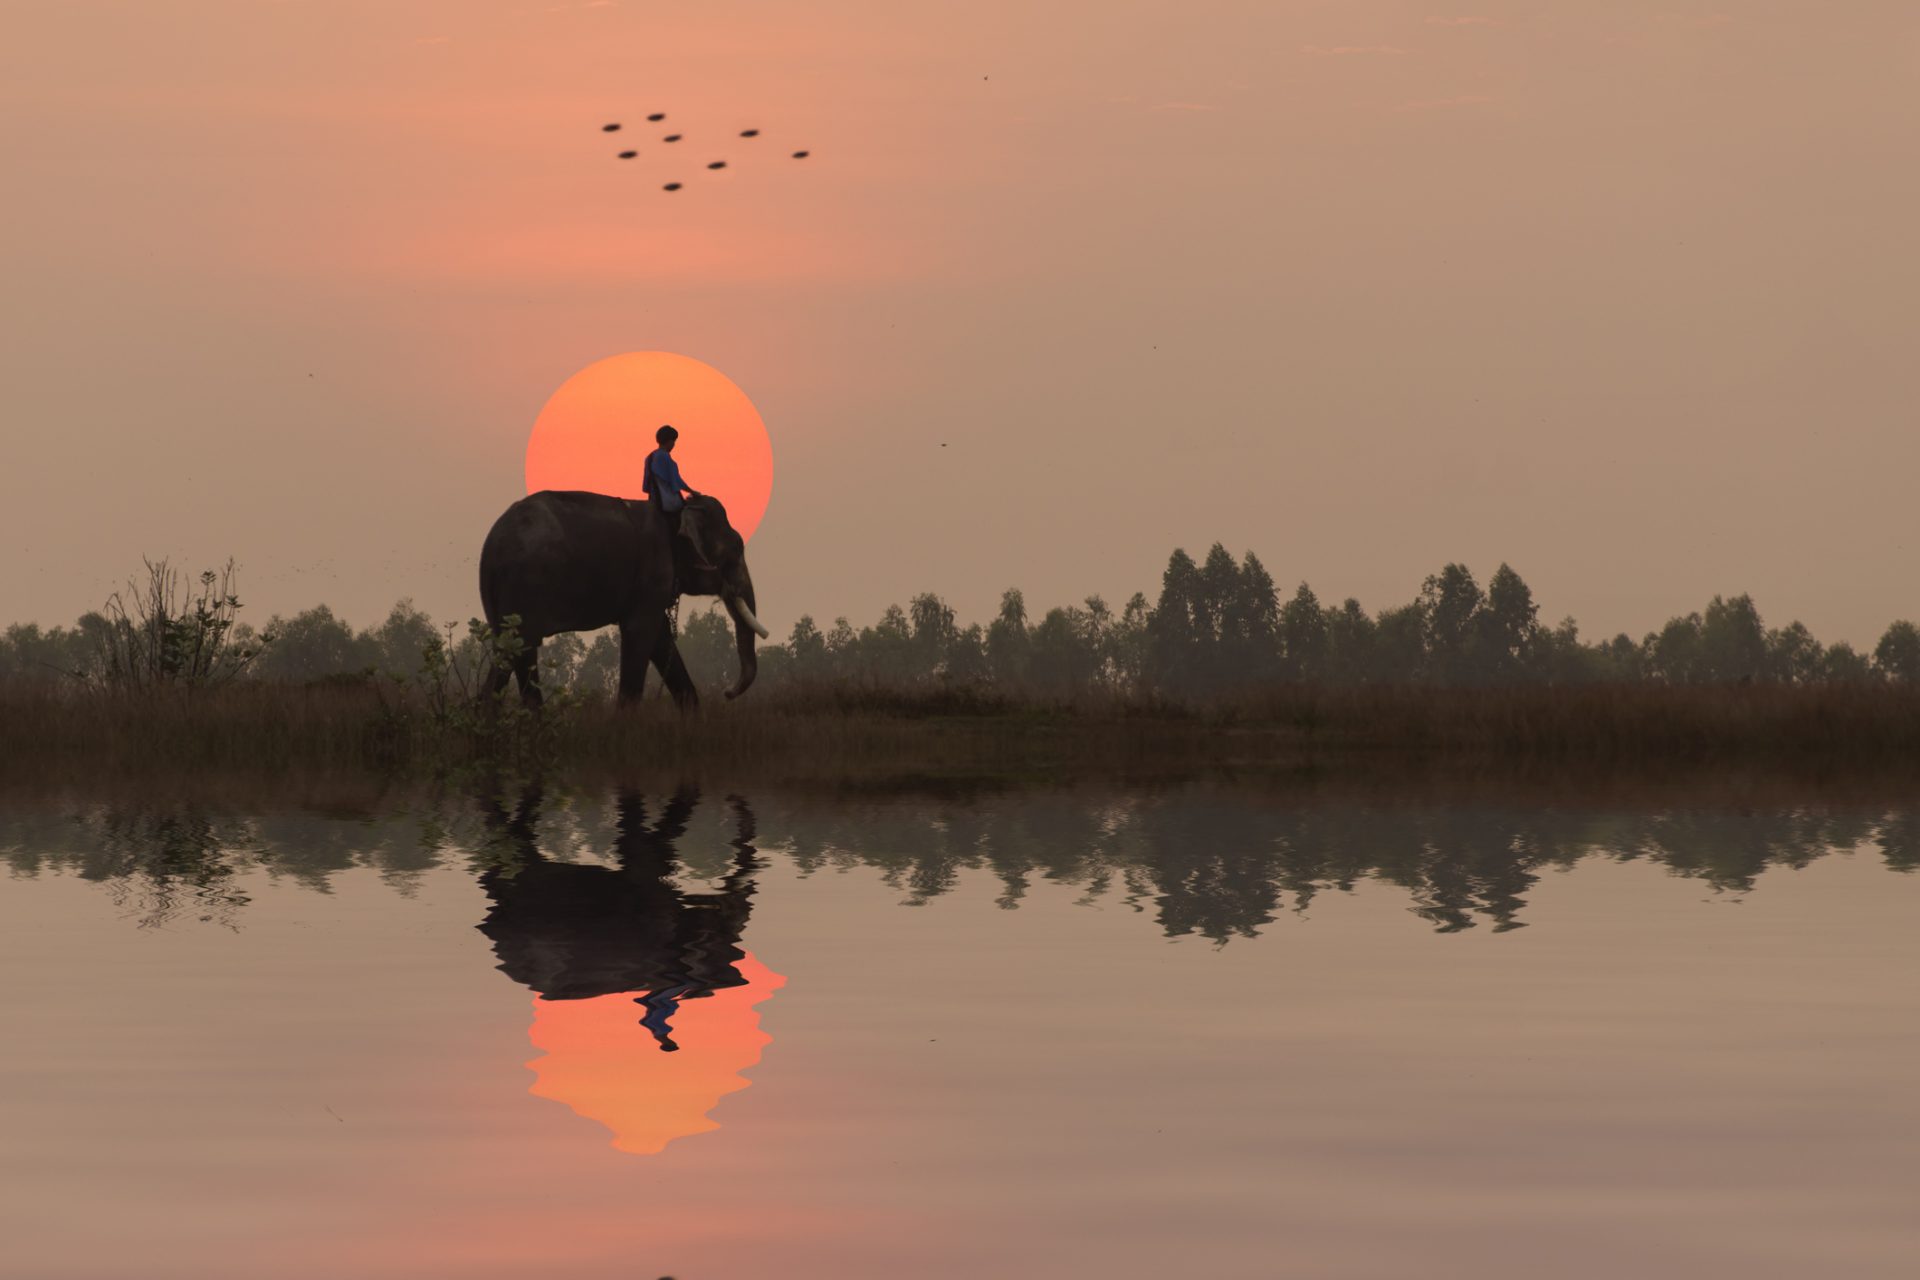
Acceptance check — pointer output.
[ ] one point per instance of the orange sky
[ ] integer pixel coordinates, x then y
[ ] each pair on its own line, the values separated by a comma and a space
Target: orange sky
1621, 292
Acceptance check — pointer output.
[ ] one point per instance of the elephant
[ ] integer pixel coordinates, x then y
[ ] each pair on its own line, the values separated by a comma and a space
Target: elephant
574, 561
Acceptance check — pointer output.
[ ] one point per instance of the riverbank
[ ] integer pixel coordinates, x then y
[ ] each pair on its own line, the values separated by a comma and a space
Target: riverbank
852, 734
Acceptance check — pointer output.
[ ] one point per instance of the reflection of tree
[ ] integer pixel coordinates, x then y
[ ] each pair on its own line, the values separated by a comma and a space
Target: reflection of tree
571, 931
1221, 865
585, 899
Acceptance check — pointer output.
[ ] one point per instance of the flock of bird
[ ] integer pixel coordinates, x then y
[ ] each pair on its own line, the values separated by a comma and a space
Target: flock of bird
659, 116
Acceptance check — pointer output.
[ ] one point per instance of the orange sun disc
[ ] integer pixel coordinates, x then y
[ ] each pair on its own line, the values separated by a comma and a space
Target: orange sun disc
596, 431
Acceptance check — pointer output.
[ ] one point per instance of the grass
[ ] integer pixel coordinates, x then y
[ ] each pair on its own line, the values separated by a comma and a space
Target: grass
841, 734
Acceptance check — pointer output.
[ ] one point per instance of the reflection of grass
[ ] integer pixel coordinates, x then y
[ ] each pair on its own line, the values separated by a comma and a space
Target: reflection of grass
822, 732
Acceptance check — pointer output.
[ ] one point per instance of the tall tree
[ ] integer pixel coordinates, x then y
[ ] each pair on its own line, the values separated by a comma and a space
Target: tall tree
1399, 645
1174, 630
1733, 644
1350, 637
1672, 654
1065, 662
1509, 628
932, 625
1897, 656
1450, 601
808, 647
1793, 655
1842, 665
1128, 643
1306, 636
311, 645
886, 648
1009, 647
843, 650
967, 657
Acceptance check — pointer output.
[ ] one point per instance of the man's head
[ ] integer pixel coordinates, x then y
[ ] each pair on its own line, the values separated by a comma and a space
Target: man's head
665, 437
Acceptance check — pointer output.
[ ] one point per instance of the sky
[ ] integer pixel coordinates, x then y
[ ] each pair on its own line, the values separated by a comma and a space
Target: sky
1622, 293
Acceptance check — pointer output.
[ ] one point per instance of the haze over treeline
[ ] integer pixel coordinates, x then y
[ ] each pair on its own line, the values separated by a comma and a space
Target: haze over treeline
1216, 627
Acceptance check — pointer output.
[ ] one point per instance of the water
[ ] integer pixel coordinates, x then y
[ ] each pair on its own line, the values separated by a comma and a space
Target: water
1200, 1032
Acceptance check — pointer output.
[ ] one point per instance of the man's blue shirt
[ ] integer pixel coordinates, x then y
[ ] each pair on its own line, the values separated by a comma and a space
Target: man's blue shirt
663, 476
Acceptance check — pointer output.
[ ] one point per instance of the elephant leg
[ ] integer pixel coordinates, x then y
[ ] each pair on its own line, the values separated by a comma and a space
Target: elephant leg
527, 668
638, 639
673, 670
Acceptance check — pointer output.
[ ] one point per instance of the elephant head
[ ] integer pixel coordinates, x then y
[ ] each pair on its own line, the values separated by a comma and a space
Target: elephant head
722, 571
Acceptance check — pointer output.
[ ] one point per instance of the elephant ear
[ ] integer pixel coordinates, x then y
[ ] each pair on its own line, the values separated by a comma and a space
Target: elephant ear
696, 524
703, 522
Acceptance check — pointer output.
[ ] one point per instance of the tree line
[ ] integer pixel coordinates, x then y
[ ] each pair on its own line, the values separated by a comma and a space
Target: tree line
1218, 627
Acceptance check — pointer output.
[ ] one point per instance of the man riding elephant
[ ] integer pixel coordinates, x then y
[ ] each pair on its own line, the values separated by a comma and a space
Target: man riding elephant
661, 481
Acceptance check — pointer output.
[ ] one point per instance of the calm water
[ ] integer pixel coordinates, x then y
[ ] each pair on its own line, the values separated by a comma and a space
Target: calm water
1202, 1033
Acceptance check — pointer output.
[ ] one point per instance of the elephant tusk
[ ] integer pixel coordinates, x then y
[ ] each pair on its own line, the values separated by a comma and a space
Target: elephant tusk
745, 615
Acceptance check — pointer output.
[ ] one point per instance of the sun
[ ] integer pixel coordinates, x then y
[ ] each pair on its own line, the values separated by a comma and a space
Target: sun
597, 429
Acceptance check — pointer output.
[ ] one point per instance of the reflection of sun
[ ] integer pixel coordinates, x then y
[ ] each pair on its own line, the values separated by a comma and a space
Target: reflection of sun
596, 431
600, 1061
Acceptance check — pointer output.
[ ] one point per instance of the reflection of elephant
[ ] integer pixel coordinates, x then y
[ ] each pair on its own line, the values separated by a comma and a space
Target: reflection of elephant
566, 561
574, 931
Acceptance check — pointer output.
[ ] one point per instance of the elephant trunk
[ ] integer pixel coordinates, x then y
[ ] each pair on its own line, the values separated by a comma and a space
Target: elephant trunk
739, 599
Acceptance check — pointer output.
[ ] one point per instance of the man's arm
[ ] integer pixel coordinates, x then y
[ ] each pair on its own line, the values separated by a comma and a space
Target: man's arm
679, 484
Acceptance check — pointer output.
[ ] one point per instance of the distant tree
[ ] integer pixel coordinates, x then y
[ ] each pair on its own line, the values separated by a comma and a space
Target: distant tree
560, 659
1450, 602
1897, 656
1559, 657
1508, 628
312, 645
1009, 647
1127, 645
1625, 660
930, 621
1097, 633
1065, 661
809, 649
1250, 626
1793, 655
706, 646
887, 649
1399, 645
843, 650
1350, 643
1842, 665
1733, 643
1672, 655
775, 662
1175, 628
598, 674
1219, 583
967, 657
1306, 636
28, 653
399, 644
